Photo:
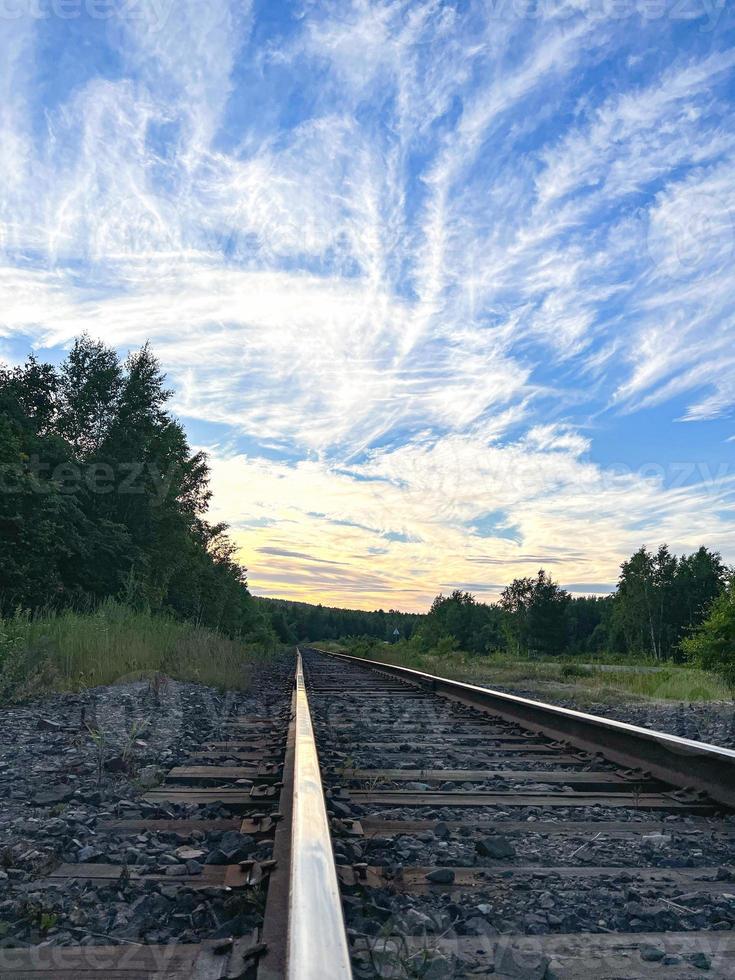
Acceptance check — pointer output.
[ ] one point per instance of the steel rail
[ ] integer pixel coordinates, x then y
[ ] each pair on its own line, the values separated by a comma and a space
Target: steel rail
317, 939
680, 762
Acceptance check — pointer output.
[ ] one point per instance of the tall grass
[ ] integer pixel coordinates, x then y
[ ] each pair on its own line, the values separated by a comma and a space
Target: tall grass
554, 679
69, 651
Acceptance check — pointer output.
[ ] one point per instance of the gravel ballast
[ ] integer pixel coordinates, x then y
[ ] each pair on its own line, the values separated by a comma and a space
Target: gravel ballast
70, 762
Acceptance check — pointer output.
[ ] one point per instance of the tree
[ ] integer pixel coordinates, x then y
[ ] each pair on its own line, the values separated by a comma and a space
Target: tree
460, 621
536, 614
295, 621
700, 579
89, 388
589, 628
712, 644
659, 597
102, 496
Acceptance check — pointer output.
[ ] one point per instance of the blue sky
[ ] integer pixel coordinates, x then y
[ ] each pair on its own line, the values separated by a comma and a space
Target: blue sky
445, 289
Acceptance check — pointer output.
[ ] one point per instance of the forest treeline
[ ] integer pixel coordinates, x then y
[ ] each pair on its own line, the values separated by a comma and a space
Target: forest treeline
660, 601
101, 496
296, 621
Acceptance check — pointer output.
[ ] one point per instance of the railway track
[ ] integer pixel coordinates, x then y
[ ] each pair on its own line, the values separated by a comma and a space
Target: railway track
399, 825
479, 834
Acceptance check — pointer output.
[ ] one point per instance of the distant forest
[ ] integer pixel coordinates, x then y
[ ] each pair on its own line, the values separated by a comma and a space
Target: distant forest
660, 600
295, 621
101, 497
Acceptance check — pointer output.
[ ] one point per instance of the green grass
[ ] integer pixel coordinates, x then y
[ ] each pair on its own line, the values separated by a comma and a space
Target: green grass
69, 651
555, 679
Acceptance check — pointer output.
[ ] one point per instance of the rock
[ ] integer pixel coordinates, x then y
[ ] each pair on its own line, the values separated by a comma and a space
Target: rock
701, 961
520, 964
237, 847
479, 926
55, 828
46, 725
50, 797
116, 763
535, 922
495, 846
189, 853
417, 922
340, 809
91, 797
656, 840
442, 876
554, 971
651, 954
150, 776
194, 867
216, 857
89, 854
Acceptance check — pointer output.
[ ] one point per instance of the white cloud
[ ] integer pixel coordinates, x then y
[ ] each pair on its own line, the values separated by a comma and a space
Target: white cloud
416, 244
431, 495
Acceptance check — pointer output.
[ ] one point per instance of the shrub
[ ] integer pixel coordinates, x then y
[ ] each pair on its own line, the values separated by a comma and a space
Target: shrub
570, 671
712, 645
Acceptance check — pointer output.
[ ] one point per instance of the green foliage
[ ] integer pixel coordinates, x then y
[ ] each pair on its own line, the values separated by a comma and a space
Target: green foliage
101, 496
296, 622
589, 629
67, 650
458, 620
661, 597
712, 645
573, 671
536, 614
551, 680
363, 646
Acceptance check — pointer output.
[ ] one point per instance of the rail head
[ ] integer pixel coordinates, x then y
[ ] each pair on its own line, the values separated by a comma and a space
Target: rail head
679, 761
317, 939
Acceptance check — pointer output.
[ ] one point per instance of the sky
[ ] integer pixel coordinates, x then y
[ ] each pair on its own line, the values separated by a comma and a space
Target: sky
445, 288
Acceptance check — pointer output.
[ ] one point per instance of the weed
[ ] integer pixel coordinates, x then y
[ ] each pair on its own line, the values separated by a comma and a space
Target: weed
100, 744
74, 651
37, 915
594, 682
47, 921
137, 729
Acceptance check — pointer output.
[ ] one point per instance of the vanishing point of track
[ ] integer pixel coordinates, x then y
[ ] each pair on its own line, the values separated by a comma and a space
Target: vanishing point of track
396, 802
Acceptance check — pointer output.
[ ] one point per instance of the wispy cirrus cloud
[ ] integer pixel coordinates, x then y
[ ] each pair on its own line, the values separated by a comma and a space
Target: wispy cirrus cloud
409, 264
